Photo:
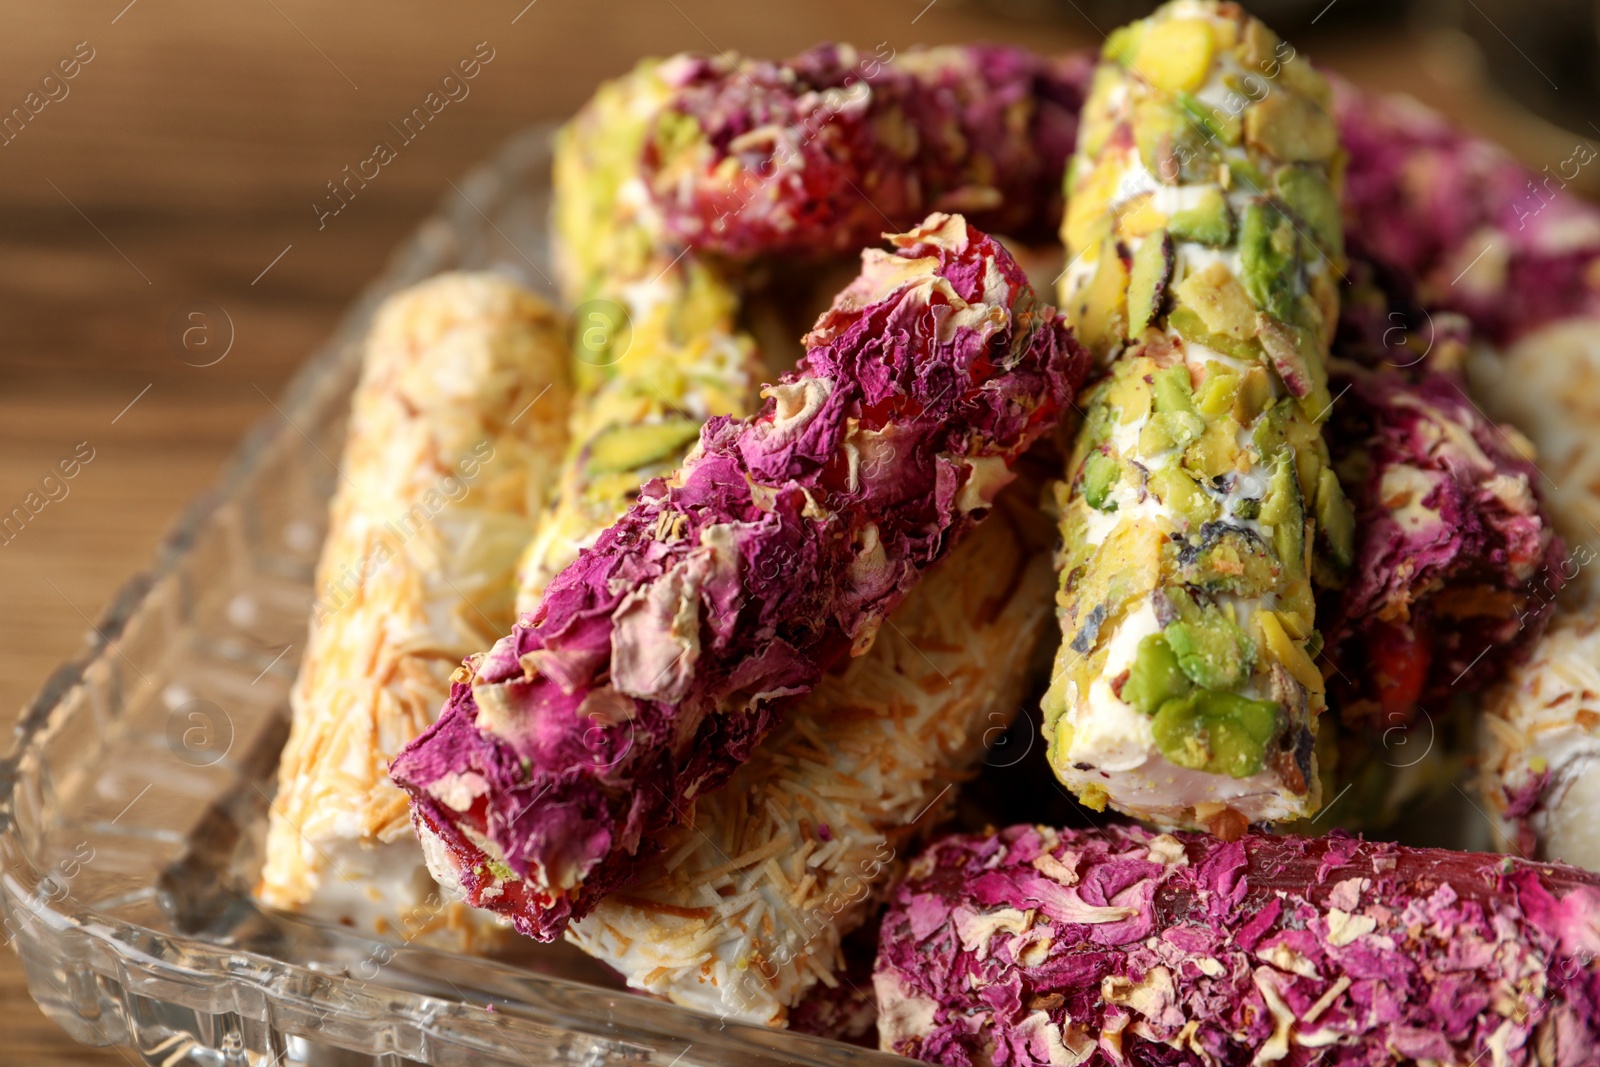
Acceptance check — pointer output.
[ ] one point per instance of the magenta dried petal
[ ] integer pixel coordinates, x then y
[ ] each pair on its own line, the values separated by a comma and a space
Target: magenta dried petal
1267, 949
1456, 562
777, 548
1507, 246
821, 153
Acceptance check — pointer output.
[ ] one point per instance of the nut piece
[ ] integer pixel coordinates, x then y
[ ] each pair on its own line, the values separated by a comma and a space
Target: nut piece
1147, 282
1291, 128
1176, 55
1220, 301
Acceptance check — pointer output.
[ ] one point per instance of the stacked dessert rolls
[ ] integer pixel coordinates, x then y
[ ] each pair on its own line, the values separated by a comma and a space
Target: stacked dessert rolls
730, 711
747, 906
678, 178
1518, 254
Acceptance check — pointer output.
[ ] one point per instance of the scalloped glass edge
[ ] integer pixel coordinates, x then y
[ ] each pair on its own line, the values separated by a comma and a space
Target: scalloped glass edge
121, 850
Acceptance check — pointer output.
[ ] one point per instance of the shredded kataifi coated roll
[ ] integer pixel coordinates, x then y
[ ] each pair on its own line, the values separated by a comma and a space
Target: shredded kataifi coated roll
1037, 947
457, 426
1541, 745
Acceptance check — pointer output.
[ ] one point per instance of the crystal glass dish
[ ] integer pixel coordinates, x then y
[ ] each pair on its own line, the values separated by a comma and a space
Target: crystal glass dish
133, 800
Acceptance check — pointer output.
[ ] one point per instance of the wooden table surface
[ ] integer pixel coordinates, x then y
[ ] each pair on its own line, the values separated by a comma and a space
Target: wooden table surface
181, 165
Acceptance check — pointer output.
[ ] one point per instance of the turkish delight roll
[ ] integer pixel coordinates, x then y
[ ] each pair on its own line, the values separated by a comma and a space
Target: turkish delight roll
458, 423
1457, 563
1510, 247
818, 154
1199, 507
1124, 946
657, 344
655, 662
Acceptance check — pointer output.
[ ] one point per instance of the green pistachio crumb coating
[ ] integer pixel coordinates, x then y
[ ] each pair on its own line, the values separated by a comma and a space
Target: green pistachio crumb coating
1203, 238
656, 342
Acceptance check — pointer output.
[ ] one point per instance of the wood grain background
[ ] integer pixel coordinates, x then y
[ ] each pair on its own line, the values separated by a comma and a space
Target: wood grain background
182, 165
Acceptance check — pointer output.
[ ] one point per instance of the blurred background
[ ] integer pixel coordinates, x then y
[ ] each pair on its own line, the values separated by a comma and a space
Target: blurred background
174, 174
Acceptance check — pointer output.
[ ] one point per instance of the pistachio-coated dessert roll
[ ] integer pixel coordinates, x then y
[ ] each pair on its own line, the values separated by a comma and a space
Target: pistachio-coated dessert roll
1203, 235
656, 341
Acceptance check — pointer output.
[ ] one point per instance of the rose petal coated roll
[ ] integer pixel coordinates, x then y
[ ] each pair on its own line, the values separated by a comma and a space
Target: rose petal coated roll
819, 154
1510, 247
655, 662
1123, 946
1457, 565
